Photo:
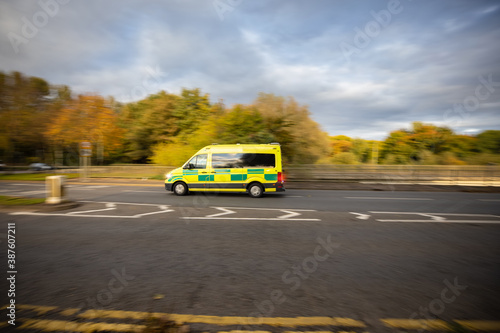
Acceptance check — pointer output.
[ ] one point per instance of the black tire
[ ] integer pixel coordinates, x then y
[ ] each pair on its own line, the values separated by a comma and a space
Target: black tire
255, 190
180, 188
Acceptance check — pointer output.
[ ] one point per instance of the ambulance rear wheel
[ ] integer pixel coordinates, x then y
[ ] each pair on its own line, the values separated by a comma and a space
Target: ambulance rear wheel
255, 190
180, 188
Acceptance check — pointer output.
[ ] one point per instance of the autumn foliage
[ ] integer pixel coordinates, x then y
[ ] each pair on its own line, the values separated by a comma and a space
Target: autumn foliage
46, 123
86, 118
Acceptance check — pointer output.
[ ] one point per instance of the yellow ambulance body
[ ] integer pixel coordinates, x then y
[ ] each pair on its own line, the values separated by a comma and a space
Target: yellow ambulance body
254, 169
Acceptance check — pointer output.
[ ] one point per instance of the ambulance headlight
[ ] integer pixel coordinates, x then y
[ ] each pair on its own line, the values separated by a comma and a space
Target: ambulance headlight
168, 175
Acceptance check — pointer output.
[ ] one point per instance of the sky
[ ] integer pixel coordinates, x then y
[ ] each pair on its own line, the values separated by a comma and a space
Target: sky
364, 68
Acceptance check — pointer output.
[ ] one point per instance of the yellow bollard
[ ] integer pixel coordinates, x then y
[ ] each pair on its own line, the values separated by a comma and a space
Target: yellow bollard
55, 189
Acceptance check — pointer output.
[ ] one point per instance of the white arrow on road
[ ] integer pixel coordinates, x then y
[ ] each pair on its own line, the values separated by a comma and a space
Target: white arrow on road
289, 215
434, 217
361, 216
224, 212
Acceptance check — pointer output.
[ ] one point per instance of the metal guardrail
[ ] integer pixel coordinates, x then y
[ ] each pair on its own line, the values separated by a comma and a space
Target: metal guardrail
455, 174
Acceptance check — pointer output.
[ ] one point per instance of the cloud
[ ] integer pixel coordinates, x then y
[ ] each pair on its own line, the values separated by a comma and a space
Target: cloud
427, 59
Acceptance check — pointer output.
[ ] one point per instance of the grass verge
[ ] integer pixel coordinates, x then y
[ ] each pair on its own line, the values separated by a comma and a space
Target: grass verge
36, 176
19, 201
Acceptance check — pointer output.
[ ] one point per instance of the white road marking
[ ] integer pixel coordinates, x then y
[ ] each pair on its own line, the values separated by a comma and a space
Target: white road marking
132, 191
102, 216
229, 210
289, 215
493, 200
419, 213
436, 217
361, 216
386, 198
444, 221
109, 206
245, 218
32, 192
224, 212
122, 203
86, 187
254, 208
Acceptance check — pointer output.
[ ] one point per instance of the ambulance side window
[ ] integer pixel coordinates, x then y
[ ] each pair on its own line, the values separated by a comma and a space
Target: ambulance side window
197, 162
243, 160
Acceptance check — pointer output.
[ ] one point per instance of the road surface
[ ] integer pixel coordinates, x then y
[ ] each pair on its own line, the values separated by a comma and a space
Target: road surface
341, 260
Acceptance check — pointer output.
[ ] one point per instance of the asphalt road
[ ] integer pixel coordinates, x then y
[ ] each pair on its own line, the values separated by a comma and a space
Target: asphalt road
351, 254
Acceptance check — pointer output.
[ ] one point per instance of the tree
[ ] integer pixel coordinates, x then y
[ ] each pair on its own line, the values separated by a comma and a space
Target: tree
24, 115
173, 153
87, 118
340, 144
398, 148
148, 122
242, 124
489, 141
290, 124
406, 146
191, 110
345, 158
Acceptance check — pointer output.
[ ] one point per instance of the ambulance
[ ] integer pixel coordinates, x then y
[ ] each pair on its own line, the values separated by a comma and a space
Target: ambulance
254, 169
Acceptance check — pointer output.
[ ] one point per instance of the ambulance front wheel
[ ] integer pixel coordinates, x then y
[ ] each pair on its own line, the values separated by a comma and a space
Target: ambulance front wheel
180, 188
255, 190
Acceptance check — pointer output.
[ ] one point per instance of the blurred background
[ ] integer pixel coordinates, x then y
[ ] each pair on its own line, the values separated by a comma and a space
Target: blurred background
371, 83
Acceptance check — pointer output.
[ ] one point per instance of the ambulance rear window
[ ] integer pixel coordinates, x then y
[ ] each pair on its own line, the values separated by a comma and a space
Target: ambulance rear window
243, 160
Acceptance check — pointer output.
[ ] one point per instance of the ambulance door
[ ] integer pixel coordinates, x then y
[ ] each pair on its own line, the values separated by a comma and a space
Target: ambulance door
196, 172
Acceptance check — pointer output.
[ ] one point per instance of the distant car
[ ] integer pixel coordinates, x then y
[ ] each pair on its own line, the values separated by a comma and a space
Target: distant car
40, 166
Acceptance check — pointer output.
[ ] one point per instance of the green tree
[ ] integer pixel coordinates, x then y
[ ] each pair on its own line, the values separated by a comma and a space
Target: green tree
24, 115
191, 110
242, 124
345, 158
463, 146
148, 122
290, 124
406, 146
173, 153
489, 141
398, 148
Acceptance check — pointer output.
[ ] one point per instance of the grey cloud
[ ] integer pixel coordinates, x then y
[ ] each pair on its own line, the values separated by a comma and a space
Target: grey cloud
426, 60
